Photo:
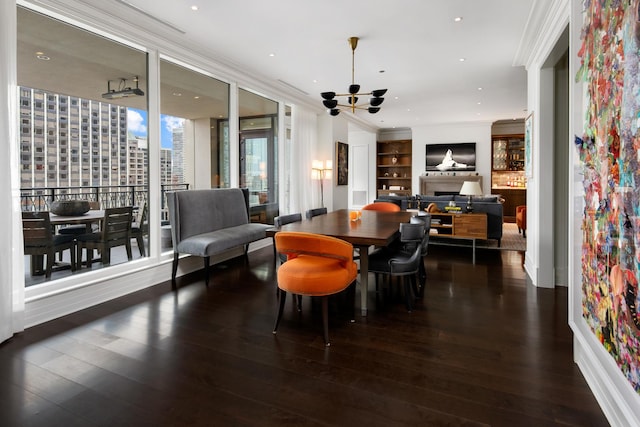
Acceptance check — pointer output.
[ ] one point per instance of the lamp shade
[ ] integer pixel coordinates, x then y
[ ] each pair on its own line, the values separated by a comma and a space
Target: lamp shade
330, 103
471, 188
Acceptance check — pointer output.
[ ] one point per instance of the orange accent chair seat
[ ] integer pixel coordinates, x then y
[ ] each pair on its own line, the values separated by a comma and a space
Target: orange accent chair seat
317, 266
381, 206
521, 219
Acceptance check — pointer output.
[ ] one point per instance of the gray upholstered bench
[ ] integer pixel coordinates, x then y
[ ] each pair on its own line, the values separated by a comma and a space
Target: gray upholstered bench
208, 222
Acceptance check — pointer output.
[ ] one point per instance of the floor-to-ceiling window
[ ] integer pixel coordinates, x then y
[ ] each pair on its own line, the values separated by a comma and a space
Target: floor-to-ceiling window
83, 135
258, 123
193, 106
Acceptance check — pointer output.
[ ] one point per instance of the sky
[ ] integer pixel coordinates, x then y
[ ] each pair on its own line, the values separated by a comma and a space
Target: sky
137, 124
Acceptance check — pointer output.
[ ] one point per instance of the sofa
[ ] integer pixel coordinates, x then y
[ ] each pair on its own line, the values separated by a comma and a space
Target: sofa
403, 201
209, 222
491, 205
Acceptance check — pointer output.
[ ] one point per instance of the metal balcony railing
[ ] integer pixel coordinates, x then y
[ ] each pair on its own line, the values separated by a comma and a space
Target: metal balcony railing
109, 196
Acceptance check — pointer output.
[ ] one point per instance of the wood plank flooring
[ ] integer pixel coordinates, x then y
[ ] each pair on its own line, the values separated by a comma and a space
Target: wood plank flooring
482, 348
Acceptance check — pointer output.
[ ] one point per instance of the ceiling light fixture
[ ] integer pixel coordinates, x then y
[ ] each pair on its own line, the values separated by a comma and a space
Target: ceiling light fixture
352, 97
123, 90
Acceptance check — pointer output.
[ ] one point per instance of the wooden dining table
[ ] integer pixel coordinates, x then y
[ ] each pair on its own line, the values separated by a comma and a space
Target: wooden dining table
88, 218
374, 228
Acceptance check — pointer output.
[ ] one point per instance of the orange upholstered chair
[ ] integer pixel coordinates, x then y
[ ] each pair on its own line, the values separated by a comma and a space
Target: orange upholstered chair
521, 219
382, 206
317, 266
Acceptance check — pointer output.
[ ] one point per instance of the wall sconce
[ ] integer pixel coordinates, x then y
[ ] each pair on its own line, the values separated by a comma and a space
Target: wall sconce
320, 171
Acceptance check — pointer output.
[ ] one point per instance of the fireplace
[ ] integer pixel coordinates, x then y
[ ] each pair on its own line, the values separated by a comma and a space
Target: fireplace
436, 184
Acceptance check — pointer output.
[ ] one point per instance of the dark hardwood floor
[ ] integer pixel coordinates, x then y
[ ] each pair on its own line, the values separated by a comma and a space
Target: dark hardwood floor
482, 348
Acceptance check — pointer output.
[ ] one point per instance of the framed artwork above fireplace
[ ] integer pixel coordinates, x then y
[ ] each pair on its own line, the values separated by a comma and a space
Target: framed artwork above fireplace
455, 157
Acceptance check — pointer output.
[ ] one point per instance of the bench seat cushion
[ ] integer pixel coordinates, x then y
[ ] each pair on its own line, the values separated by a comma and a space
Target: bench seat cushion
214, 242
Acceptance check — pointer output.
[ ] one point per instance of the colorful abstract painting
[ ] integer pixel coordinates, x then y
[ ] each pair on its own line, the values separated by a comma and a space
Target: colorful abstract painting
609, 151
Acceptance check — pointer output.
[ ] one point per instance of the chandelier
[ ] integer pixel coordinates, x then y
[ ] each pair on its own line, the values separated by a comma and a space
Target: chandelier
373, 106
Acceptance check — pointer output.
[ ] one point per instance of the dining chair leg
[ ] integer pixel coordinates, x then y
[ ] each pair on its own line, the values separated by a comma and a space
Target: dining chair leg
140, 243
325, 319
408, 294
282, 297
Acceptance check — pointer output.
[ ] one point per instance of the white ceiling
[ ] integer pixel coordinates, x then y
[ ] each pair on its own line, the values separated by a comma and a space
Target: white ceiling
411, 47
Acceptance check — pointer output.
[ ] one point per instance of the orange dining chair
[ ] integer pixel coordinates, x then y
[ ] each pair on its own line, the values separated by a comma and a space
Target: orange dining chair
317, 266
381, 206
521, 219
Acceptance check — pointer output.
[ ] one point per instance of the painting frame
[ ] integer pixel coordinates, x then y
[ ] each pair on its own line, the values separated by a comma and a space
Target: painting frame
463, 157
528, 146
342, 163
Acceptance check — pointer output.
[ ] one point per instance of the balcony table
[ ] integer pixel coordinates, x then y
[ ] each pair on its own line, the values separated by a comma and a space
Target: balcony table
373, 229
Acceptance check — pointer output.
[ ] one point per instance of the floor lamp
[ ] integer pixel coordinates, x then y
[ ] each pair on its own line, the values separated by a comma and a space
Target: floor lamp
320, 171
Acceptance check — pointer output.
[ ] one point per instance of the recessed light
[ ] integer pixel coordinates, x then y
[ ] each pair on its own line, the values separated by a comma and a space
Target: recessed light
462, 59
196, 97
177, 94
479, 88
479, 103
396, 98
272, 55
315, 81
194, 7
457, 19
43, 57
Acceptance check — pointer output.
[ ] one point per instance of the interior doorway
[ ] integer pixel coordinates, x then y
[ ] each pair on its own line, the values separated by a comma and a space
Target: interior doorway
555, 141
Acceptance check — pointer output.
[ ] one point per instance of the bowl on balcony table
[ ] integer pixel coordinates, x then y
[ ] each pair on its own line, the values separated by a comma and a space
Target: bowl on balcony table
70, 207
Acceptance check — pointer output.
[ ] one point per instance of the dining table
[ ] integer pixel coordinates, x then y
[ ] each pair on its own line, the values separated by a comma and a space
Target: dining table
373, 228
87, 218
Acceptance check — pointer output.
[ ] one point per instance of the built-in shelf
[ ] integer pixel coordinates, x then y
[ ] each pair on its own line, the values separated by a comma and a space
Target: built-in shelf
393, 158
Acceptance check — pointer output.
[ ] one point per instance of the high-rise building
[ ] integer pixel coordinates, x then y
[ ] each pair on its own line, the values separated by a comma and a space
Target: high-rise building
66, 141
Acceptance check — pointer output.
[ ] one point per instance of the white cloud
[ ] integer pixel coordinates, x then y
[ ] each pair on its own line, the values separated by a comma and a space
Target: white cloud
170, 122
135, 122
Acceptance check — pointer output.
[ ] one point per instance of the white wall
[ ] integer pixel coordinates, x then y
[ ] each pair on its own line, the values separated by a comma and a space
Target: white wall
362, 167
480, 133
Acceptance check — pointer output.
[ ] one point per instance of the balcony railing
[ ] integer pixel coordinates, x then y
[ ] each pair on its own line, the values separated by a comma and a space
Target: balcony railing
109, 196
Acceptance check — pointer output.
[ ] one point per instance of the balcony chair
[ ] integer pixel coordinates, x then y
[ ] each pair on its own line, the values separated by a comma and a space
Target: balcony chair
317, 266
401, 261
140, 229
382, 207
315, 212
521, 219
116, 231
39, 240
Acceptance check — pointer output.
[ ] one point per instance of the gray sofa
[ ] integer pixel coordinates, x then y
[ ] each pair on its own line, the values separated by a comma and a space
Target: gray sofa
208, 222
490, 205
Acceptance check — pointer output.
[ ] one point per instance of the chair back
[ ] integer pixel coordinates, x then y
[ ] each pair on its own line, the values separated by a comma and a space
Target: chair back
315, 212
116, 226
142, 225
281, 220
36, 229
426, 220
294, 244
381, 206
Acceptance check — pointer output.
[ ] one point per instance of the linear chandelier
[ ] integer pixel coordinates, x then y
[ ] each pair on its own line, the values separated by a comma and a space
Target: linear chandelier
373, 106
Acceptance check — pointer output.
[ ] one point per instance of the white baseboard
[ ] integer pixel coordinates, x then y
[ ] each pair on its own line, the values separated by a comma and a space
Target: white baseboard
617, 399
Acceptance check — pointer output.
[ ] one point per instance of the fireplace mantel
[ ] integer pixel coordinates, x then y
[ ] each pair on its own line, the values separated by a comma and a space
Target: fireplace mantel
432, 183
